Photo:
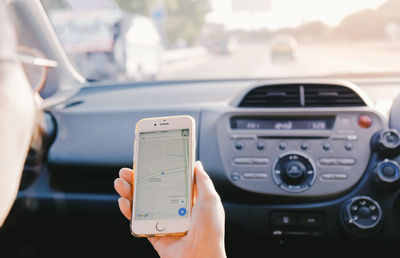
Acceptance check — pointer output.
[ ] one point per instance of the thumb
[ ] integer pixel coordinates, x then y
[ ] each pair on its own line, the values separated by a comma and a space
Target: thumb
204, 185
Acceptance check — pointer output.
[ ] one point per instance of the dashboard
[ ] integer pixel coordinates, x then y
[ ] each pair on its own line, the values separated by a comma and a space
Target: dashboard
302, 166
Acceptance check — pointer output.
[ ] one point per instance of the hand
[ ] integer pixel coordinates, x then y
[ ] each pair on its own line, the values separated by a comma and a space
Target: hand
205, 237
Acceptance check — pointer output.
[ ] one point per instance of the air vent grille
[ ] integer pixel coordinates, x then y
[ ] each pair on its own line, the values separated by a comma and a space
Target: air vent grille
273, 96
330, 96
302, 95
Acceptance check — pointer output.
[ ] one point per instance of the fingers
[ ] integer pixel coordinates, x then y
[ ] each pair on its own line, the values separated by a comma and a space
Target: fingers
127, 174
123, 185
123, 188
125, 207
204, 185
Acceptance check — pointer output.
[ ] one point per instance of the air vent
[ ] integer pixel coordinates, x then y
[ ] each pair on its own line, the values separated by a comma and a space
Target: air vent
317, 95
273, 96
302, 95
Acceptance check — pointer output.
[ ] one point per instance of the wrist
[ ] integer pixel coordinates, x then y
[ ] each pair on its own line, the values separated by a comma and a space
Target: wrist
219, 247
218, 251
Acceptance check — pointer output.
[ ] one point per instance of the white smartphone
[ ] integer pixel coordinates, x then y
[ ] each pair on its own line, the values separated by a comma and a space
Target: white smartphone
163, 157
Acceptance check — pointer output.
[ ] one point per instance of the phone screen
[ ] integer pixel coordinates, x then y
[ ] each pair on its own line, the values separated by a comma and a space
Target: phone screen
162, 172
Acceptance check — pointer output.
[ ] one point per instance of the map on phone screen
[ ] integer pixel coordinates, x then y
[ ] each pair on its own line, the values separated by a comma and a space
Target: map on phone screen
162, 175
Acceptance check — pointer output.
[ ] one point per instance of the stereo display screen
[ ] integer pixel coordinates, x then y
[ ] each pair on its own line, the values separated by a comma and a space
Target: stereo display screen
283, 123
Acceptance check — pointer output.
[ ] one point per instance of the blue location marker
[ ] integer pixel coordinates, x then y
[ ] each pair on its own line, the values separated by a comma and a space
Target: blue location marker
162, 173
182, 211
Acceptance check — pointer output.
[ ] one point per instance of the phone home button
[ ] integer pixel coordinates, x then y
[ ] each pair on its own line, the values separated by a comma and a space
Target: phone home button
160, 226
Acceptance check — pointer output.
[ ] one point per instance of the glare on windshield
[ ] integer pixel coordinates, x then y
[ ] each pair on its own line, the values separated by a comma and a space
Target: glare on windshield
143, 40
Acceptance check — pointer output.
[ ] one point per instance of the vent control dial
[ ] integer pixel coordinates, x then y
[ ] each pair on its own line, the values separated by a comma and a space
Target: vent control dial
361, 216
386, 142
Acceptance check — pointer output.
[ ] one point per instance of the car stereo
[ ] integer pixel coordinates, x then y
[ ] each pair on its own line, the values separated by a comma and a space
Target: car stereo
284, 152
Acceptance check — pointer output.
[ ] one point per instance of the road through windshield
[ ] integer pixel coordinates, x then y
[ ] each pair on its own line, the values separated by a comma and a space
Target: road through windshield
122, 40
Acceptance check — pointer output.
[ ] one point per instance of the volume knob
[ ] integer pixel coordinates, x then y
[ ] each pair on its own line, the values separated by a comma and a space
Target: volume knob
293, 172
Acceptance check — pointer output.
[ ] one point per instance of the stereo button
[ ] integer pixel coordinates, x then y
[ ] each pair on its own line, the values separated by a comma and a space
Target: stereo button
242, 161
326, 146
337, 162
334, 176
261, 176
310, 220
339, 137
348, 146
260, 146
259, 161
235, 176
328, 162
341, 176
352, 137
346, 162
242, 137
238, 146
328, 176
254, 176
349, 137
283, 219
304, 146
294, 187
248, 176
282, 146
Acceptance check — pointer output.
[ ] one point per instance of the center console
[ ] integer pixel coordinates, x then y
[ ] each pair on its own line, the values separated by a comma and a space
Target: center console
288, 153
304, 161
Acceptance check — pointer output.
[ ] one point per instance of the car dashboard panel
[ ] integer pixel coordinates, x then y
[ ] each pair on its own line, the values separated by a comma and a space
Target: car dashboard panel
299, 164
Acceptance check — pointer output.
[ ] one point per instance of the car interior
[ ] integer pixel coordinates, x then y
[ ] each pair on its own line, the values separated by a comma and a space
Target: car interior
306, 165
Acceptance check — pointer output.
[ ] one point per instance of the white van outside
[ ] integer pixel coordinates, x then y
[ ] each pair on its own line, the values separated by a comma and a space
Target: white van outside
139, 49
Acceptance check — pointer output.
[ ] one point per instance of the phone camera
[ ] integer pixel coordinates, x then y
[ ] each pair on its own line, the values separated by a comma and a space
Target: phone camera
155, 124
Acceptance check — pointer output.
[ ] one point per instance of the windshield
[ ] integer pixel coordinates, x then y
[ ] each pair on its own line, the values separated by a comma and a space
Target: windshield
125, 40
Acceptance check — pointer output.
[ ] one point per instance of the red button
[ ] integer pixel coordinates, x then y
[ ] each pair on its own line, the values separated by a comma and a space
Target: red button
364, 121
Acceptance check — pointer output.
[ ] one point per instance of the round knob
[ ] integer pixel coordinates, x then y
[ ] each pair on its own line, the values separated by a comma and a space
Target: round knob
387, 173
386, 142
293, 172
361, 216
